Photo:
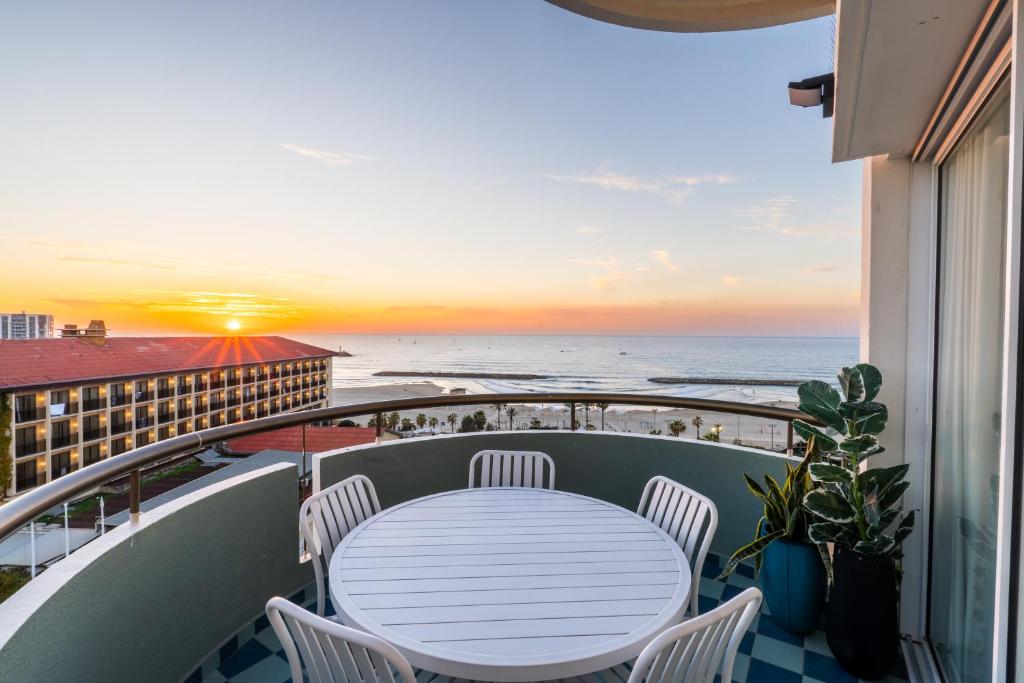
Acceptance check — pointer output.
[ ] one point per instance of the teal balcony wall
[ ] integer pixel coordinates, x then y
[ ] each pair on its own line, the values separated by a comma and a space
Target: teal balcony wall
146, 602
612, 467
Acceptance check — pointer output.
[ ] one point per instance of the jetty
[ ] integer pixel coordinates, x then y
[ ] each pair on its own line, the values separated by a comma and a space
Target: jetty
457, 375
736, 381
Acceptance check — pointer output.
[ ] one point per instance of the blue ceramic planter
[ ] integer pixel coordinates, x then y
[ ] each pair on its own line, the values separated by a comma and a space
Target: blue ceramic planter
793, 581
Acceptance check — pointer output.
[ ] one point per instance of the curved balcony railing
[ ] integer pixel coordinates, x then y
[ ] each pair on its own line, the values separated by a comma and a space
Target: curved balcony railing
32, 504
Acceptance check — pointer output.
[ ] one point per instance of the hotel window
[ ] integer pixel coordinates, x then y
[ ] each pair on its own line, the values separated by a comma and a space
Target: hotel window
92, 428
184, 384
142, 419
91, 399
968, 395
25, 475
118, 395
119, 446
119, 421
91, 454
61, 434
165, 432
164, 389
60, 464
25, 408
142, 391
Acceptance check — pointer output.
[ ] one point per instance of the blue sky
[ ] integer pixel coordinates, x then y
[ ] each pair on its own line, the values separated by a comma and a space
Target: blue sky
345, 166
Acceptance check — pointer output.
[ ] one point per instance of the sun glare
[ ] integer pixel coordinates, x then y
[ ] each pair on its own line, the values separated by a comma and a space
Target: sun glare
233, 325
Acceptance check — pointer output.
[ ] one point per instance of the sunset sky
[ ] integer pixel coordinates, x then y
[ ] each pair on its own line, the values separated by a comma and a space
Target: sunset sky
447, 166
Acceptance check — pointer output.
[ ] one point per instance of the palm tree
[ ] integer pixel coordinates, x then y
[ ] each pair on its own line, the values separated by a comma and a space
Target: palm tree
452, 419
697, 421
716, 431
586, 415
511, 412
433, 421
421, 420
571, 407
676, 427
498, 407
602, 407
654, 417
391, 420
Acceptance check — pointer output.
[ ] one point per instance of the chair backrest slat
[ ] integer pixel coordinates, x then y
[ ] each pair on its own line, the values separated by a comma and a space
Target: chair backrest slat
687, 516
330, 652
699, 648
325, 518
521, 469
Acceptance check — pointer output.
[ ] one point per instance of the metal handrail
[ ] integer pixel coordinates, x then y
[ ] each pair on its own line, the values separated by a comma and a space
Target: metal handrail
28, 506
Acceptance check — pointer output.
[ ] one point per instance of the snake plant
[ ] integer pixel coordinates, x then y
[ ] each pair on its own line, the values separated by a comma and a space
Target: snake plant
784, 517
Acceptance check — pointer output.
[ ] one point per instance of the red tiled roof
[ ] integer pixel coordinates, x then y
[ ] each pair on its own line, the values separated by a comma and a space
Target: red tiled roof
318, 439
43, 362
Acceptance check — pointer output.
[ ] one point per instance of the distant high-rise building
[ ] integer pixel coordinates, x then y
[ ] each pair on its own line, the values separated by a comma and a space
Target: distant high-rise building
26, 325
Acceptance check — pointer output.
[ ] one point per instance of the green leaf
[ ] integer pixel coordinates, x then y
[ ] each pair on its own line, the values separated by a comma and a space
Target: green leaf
818, 399
852, 384
775, 504
754, 487
867, 418
809, 431
883, 545
872, 380
828, 473
829, 505
905, 527
879, 479
826, 559
826, 532
749, 550
892, 494
858, 444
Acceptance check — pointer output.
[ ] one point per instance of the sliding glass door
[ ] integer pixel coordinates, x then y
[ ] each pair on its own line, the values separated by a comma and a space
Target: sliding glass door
968, 392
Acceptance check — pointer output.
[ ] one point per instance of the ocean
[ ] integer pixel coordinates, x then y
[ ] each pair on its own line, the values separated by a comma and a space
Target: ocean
594, 363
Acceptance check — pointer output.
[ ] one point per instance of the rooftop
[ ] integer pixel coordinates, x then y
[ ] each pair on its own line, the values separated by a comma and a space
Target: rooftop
43, 362
290, 439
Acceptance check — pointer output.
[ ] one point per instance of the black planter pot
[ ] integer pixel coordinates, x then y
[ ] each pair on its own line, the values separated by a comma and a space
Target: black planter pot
863, 614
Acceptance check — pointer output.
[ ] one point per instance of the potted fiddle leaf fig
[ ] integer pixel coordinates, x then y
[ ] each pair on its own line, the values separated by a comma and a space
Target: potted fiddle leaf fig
788, 567
858, 510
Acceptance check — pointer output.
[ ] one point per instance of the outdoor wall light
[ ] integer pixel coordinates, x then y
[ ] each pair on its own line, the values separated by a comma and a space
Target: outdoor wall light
814, 91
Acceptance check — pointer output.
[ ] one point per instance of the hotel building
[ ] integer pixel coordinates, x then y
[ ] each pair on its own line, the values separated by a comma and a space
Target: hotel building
26, 325
75, 401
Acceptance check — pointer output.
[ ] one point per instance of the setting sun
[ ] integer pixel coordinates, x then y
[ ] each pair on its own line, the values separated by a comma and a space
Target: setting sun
233, 325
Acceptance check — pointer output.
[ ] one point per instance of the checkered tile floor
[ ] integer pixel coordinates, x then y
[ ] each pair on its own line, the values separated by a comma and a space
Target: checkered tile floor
767, 654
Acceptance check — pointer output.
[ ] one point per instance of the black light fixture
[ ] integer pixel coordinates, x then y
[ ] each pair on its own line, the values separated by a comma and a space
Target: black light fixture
814, 91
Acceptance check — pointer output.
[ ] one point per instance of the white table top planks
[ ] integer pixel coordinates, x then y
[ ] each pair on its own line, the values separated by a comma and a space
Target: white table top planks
510, 584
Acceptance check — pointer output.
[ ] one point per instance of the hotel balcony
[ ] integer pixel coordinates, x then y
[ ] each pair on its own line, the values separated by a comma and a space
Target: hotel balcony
62, 409
217, 384
94, 404
30, 414
165, 392
237, 528
120, 427
94, 434
63, 440
142, 396
30, 447
120, 400
144, 422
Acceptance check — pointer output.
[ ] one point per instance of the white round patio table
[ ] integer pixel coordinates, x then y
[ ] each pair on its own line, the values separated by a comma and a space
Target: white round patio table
510, 584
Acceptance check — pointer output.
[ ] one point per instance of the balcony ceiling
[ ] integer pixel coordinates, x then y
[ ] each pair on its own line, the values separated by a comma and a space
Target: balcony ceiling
893, 62
698, 16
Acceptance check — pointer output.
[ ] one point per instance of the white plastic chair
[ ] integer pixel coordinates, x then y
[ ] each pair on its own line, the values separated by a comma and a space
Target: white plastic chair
523, 469
700, 647
326, 517
333, 653
692, 652
687, 516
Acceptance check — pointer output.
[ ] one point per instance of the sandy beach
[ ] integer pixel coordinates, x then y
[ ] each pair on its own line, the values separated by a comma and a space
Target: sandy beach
749, 430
